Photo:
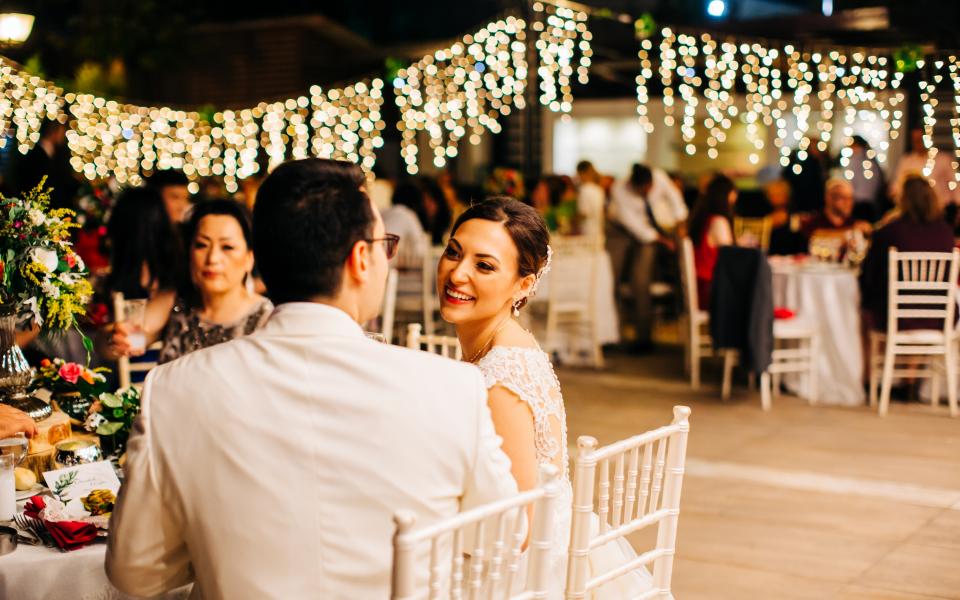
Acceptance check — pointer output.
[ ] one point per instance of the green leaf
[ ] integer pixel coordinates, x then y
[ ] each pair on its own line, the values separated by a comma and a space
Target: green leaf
111, 400
109, 428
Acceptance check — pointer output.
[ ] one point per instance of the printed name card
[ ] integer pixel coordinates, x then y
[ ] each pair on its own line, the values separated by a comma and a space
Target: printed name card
71, 484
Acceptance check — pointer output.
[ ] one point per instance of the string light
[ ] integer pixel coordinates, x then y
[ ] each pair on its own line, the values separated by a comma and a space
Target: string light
928, 91
646, 72
461, 90
955, 121
562, 38
668, 62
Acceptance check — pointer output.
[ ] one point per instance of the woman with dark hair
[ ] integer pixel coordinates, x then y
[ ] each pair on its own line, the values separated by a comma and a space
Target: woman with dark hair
710, 227
496, 256
919, 228
436, 212
216, 303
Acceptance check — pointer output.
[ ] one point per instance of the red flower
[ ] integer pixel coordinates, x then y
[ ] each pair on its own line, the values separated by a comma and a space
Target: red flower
71, 260
70, 372
45, 362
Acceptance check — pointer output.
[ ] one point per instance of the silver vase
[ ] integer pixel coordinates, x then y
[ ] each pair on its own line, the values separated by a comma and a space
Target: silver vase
15, 373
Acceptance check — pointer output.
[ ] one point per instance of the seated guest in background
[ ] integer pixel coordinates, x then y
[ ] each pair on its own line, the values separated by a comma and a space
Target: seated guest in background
271, 467
555, 200
591, 200
436, 212
785, 236
217, 304
837, 213
920, 228
50, 158
13, 421
405, 217
172, 186
710, 227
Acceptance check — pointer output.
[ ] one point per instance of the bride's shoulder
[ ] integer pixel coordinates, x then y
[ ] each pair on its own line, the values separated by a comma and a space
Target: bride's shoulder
515, 336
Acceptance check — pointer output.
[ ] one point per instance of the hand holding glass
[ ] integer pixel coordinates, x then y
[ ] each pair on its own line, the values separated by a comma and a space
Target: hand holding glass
134, 317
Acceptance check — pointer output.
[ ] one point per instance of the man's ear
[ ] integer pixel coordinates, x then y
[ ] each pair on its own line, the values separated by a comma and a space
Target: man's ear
357, 265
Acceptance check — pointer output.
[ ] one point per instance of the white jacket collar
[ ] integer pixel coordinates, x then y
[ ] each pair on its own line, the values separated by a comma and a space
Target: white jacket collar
311, 318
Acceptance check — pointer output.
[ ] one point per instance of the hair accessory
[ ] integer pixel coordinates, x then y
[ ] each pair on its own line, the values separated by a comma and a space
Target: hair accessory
543, 271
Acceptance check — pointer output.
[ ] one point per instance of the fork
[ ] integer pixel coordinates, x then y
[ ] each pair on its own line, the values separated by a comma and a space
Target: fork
24, 528
37, 529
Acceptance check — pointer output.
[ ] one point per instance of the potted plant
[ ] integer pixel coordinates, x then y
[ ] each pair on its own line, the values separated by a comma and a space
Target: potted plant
111, 418
72, 386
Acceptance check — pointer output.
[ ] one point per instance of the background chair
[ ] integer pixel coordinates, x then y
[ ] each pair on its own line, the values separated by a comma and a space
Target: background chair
477, 553
795, 351
571, 293
640, 468
753, 232
922, 285
444, 345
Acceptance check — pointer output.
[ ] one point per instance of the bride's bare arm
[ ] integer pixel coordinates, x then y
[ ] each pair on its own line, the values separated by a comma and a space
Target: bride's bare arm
513, 420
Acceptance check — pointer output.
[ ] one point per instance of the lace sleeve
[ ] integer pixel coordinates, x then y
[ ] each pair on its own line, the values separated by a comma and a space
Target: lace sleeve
527, 373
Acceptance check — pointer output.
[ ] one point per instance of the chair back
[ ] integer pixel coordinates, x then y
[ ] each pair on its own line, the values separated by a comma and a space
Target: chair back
444, 345
922, 285
428, 288
477, 553
388, 310
573, 274
647, 473
126, 368
688, 277
753, 232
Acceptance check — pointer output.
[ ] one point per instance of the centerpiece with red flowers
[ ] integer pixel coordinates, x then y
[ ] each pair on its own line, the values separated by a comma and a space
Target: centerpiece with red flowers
74, 387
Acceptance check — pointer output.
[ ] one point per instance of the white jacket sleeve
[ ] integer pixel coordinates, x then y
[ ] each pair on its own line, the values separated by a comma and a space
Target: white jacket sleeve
490, 479
146, 553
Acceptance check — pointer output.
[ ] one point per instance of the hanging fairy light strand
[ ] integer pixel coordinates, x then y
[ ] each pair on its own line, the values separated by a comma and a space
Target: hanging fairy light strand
461, 91
563, 41
645, 74
955, 121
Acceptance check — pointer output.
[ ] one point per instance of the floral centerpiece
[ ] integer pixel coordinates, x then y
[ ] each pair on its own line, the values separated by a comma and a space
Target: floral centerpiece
42, 282
74, 387
504, 181
94, 203
111, 417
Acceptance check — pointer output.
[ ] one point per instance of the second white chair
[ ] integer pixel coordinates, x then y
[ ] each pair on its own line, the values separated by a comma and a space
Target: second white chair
444, 345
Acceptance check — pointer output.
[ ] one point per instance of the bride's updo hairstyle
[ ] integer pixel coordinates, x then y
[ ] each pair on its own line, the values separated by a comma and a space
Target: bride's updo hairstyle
522, 222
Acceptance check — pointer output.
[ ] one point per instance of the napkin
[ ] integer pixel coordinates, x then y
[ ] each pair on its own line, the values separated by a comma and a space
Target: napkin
783, 313
69, 535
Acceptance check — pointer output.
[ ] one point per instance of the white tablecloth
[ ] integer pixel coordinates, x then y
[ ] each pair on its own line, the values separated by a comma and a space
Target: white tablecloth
827, 297
575, 343
39, 573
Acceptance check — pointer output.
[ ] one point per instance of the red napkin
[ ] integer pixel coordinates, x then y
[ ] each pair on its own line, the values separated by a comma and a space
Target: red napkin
69, 535
783, 313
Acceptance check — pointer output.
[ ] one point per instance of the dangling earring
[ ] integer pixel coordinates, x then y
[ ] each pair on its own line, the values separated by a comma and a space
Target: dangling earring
516, 308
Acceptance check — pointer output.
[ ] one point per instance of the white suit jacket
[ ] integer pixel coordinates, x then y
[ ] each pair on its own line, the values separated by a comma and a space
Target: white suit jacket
271, 466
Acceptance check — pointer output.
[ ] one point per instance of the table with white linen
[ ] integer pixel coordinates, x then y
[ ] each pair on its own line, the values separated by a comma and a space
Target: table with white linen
827, 297
608, 325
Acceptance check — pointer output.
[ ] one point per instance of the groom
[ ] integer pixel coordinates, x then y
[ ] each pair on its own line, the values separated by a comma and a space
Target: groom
271, 466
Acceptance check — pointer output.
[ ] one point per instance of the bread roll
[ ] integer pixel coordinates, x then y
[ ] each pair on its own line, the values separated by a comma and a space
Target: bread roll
24, 478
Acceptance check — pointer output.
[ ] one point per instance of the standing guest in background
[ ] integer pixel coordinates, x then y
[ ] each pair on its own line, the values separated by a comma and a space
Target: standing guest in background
216, 305
172, 185
942, 175
837, 213
591, 200
436, 213
354, 429
867, 179
555, 199
807, 177
785, 234
710, 227
405, 217
633, 238
920, 228
50, 158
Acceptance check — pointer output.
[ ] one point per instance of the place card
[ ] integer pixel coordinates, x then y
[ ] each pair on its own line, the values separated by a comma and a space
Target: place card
71, 484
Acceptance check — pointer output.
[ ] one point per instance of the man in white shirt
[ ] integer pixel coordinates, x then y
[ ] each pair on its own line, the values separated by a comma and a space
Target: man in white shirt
634, 235
271, 466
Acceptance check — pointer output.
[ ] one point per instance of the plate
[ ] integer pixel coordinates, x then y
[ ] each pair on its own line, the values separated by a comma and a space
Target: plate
27, 494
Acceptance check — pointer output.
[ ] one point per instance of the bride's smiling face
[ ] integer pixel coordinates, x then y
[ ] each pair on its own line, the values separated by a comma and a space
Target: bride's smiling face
477, 277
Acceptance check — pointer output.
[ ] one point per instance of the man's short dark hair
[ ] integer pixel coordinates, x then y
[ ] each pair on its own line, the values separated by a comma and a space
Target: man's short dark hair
640, 175
166, 178
307, 217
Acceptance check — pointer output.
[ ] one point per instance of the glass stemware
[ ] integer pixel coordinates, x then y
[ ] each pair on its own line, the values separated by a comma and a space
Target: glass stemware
16, 446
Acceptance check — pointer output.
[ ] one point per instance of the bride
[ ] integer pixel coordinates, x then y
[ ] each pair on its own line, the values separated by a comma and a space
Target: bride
498, 252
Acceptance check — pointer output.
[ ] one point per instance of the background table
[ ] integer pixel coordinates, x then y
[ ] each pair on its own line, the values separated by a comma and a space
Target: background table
827, 297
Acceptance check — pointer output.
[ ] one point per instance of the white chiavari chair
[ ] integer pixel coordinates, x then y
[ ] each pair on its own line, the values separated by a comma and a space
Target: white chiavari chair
444, 345
646, 472
696, 323
125, 367
795, 351
388, 310
571, 292
922, 285
753, 232
478, 553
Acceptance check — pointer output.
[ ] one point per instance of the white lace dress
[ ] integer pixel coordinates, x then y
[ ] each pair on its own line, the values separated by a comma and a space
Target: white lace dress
528, 373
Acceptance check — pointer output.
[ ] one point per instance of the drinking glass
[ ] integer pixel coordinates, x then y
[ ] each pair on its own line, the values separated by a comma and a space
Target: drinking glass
377, 337
134, 315
16, 446
8, 491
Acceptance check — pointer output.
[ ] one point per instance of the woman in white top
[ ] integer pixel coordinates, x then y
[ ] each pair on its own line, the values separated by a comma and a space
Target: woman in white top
404, 219
497, 252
